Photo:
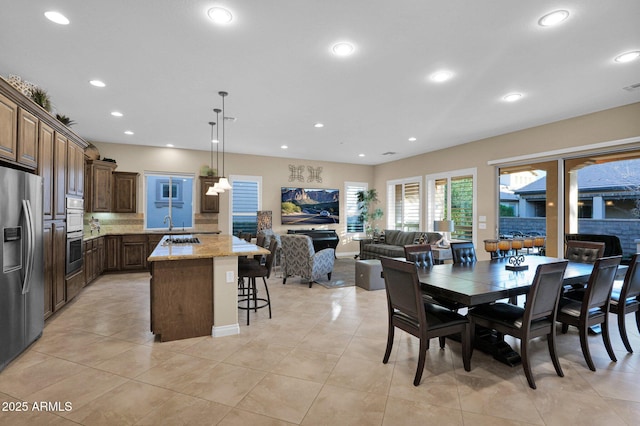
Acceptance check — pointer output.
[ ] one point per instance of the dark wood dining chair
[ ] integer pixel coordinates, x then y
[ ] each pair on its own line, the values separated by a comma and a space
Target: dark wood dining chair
408, 311
536, 319
593, 308
626, 299
420, 254
252, 268
463, 253
583, 251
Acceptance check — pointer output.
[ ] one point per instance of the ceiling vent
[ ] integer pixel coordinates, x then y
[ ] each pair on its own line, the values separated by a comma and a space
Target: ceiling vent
389, 153
633, 87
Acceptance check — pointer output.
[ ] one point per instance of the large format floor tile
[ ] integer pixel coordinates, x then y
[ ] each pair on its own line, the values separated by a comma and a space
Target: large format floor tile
318, 361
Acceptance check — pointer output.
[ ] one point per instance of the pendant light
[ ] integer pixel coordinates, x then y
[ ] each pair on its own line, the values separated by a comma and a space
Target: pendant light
223, 183
212, 190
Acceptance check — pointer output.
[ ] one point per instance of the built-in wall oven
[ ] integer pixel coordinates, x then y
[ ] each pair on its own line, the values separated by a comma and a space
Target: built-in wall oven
75, 224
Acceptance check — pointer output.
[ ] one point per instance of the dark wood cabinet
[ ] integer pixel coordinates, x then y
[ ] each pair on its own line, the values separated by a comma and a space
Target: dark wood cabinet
74, 283
93, 259
99, 259
59, 264
46, 168
75, 169
8, 128
98, 185
60, 176
134, 252
47, 259
152, 242
125, 186
112, 252
208, 203
27, 149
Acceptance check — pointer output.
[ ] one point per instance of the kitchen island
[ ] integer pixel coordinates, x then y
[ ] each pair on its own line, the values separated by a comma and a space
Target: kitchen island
194, 285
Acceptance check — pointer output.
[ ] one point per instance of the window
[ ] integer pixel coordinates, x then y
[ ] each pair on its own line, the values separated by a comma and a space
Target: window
246, 200
169, 199
404, 204
354, 224
451, 196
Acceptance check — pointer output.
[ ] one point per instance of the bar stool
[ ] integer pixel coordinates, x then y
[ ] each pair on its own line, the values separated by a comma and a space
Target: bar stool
250, 269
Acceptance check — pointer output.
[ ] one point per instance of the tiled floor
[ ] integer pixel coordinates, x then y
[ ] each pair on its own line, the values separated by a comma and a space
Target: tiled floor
318, 361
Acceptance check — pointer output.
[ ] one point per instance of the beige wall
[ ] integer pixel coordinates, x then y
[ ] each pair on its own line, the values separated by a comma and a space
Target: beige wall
274, 171
609, 125
605, 126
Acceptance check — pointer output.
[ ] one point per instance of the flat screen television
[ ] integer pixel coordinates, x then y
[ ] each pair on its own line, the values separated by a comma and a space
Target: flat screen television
310, 206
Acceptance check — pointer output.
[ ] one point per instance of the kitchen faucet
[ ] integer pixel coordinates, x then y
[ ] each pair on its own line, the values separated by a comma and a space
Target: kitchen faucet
168, 218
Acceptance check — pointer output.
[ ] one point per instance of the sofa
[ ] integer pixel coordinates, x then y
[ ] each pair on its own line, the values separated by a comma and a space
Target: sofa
393, 243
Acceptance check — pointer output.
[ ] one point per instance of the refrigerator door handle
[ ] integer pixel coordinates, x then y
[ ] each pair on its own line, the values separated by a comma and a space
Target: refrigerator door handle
28, 216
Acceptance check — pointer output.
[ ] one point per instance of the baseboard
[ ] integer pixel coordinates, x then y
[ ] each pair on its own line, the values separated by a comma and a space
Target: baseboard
225, 330
347, 254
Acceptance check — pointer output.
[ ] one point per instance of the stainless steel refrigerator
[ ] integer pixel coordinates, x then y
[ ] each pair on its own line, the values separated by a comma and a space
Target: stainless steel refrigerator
21, 251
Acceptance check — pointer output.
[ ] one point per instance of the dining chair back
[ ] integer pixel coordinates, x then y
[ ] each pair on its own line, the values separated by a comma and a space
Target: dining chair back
626, 299
593, 307
408, 311
583, 251
536, 319
420, 254
463, 253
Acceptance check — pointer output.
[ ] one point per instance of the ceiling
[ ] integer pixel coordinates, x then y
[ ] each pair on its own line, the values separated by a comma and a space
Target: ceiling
164, 62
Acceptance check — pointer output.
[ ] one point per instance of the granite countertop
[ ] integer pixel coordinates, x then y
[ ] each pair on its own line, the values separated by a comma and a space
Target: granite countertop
88, 236
211, 245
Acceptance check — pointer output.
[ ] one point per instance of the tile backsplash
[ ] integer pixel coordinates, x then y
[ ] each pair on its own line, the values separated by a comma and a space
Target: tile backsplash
130, 223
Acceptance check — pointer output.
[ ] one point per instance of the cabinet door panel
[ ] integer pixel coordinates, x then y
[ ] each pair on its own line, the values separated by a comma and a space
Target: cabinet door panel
208, 203
27, 139
125, 185
8, 128
60, 176
59, 267
46, 167
48, 258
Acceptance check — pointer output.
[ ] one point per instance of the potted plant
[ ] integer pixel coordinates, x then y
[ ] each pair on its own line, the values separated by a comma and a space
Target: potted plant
41, 97
368, 214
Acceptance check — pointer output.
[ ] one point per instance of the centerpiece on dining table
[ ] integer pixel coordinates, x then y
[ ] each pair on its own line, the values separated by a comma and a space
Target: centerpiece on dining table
516, 263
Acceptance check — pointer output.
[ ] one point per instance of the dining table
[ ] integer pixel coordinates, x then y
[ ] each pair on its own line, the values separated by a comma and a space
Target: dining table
487, 281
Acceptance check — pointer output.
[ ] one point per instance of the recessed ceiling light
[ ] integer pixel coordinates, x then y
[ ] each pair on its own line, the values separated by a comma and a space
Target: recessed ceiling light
318, 125
441, 76
117, 114
284, 146
97, 83
56, 17
553, 18
412, 139
220, 15
512, 97
360, 155
170, 145
128, 132
343, 48
627, 56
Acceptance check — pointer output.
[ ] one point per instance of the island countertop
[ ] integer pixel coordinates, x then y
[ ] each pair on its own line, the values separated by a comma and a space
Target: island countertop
211, 245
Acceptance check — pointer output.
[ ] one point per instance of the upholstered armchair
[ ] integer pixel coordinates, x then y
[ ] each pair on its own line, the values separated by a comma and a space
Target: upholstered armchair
301, 259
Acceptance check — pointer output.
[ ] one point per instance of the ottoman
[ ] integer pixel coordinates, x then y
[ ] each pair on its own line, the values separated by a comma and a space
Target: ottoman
368, 274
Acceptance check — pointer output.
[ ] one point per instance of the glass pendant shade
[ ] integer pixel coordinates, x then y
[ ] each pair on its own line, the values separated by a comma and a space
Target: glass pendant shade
211, 191
224, 184
217, 188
